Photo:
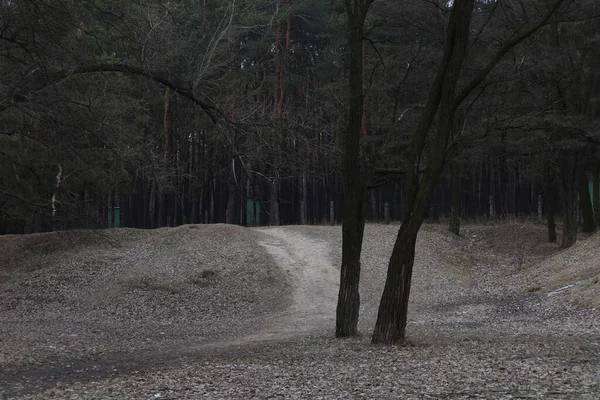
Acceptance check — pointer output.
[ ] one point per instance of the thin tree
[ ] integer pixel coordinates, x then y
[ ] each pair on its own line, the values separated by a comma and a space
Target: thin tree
455, 208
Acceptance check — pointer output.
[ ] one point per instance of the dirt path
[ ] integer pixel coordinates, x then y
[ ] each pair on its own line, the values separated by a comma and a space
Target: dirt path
313, 279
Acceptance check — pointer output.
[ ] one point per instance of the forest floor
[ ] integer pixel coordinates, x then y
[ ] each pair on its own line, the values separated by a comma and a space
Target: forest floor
223, 312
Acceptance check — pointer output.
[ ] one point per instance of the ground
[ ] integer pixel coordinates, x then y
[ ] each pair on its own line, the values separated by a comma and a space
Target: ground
221, 312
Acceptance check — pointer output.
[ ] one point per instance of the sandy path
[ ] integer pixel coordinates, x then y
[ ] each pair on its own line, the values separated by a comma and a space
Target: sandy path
313, 279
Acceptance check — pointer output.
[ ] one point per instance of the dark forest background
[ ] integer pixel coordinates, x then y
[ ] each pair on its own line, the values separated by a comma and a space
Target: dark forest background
147, 114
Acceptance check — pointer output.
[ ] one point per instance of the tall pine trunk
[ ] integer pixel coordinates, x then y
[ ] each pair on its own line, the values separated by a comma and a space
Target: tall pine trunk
550, 201
230, 213
569, 176
374, 206
455, 198
596, 191
304, 201
274, 203
152, 206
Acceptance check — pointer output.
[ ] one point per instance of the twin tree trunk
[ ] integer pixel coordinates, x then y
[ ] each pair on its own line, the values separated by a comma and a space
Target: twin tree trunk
393, 309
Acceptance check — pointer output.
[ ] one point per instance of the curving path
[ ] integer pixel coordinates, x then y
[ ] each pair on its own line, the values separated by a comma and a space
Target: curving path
312, 278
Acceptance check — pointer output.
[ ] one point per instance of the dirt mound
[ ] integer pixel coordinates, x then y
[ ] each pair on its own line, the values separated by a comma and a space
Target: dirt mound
521, 251
452, 252
79, 293
574, 272
515, 245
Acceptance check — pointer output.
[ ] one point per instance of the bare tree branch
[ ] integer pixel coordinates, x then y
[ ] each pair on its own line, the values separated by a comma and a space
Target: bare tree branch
50, 79
505, 49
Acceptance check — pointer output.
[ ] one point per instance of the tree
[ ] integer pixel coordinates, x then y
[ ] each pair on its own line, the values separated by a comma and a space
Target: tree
550, 199
391, 319
587, 209
569, 167
353, 217
455, 201
392, 316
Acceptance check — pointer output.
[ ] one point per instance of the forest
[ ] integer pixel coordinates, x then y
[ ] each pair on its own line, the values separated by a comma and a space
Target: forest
152, 113
465, 132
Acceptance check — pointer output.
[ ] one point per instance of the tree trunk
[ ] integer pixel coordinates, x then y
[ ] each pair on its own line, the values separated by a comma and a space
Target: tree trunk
396, 203
274, 207
353, 224
201, 202
455, 199
231, 203
596, 192
386, 213
392, 316
568, 177
435, 204
304, 201
587, 211
353, 218
146, 204
288, 36
162, 199
194, 209
503, 186
152, 206
211, 214
278, 58
332, 212
393, 308
374, 210
479, 190
491, 209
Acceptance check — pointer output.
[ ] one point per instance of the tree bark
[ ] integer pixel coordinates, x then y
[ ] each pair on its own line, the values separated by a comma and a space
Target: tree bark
353, 215
393, 308
455, 199
152, 206
386, 213
211, 214
353, 223
162, 199
435, 204
596, 192
392, 317
304, 201
231, 203
568, 176
374, 208
274, 205
278, 60
550, 201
